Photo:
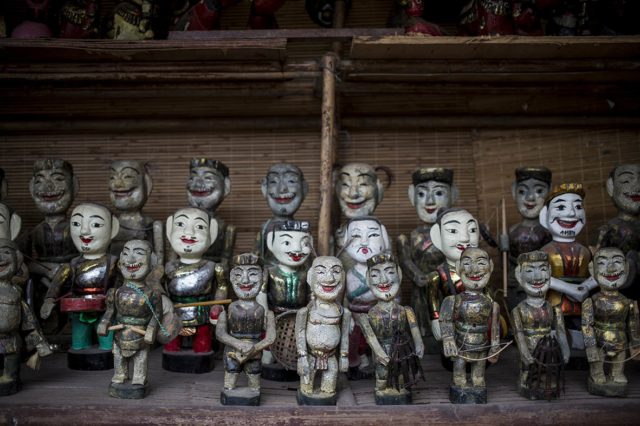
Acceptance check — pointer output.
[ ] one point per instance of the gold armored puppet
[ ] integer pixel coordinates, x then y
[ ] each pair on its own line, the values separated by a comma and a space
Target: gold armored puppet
609, 324
322, 329
471, 328
241, 330
133, 312
16, 318
534, 320
432, 189
392, 333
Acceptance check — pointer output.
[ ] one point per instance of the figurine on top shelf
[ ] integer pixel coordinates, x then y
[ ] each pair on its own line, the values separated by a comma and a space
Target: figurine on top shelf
540, 353
193, 280
322, 329
392, 333
241, 330
365, 237
133, 313
37, 25
321, 12
529, 191
567, 17
80, 19
486, 18
285, 189
286, 289
623, 231
432, 188
204, 15
90, 276
407, 14
17, 321
609, 324
471, 328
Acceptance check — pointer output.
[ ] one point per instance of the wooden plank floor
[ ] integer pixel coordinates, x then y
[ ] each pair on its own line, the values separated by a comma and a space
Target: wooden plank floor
56, 395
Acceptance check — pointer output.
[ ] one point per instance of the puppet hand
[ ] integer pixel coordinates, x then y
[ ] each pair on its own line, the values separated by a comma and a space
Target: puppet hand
47, 307
435, 329
449, 346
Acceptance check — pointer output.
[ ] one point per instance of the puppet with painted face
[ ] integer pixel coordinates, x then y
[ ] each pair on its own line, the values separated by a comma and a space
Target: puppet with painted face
133, 311
534, 320
241, 331
609, 324
366, 237
623, 232
130, 186
529, 191
322, 329
432, 189
80, 19
16, 318
90, 276
411, 19
469, 320
285, 189
564, 217
192, 279
4, 189
392, 333
207, 187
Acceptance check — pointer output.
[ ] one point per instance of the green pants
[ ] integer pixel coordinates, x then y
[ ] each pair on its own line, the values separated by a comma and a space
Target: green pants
81, 335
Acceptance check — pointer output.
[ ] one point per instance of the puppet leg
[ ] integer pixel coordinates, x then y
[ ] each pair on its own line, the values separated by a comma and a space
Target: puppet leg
477, 371
617, 370
140, 366
596, 371
460, 372
202, 339
330, 376
120, 366
308, 387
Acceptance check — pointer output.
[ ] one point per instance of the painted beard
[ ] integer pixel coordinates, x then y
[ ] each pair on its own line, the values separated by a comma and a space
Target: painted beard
476, 281
385, 291
207, 198
130, 199
246, 291
612, 280
326, 291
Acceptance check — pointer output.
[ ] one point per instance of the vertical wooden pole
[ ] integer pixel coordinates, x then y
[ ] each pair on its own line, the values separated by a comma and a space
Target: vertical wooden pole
330, 61
338, 22
505, 260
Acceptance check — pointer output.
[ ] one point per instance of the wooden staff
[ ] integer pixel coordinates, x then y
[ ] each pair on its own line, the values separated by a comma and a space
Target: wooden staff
504, 254
212, 302
338, 22
121, 326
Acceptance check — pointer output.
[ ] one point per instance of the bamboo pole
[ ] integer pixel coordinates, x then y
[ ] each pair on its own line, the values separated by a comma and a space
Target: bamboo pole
338, 22
209, 303
504, 254
329, 61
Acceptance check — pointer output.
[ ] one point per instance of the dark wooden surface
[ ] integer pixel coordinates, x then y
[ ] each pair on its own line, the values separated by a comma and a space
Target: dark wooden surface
55, 395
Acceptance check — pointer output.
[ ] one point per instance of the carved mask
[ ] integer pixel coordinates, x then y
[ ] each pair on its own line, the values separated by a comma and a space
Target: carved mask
529, 196
384, 280
54, 190
246, 281
10, 223
429, 197
290, 248
326, 277
369, 239
534, 277
624, 188
92, 228
129, 186
191, 233
207, 187
610, 268
359, 190
474, 267
10, 259
456, 232
284, 188
136, 260
564, 217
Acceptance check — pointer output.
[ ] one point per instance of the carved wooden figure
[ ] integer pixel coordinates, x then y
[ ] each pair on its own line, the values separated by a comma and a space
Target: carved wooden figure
393, 334
241, 330
204, 15
10, 225
16, 320
192, 279
365, 237
90, 276
623, 231
534, 320
413, 21
486, 17
467, 319
609, 324
80, 19
37, 25
134, 313
529, 191
132, 20
285, 189
432, 188
322, 329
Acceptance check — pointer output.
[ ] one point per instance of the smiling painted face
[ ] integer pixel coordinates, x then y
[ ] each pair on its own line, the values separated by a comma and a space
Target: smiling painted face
529, 196
246, 281
609, 268
208, 184
533, 273
475, 267
291, 248
624, 188
326, 277
564, 217
10, 259
429, 197
383, 279
191, 232
454, 232
284, 188
135, 260
369, 238
359, 190
10, 222
129, 185
53, 186
92, 228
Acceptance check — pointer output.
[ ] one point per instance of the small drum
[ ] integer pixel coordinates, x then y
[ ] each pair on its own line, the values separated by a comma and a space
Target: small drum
284, 348
83, 304
172, 324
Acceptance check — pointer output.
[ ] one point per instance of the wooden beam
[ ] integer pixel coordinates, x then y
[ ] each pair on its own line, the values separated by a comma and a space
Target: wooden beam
330, 62
313, 35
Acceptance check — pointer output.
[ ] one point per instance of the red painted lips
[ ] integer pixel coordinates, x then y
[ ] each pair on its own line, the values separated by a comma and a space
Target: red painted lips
200, 193
430, 210
52, 197
283, 200
475, 278
296, 257
530, 206
122, 194
188, 240
568, 225
245, 288
132, 268
635, 197
86, 240
328, 289
612, 277
385, 288
365, 251
354, 206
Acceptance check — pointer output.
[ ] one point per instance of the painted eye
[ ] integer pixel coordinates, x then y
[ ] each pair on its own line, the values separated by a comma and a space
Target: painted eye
76, 223
374, 235
287, 243
421, 195
128, 177
364, 184
97, 225
391, 272
473, 230
345, 184
452, 231
180, 224
439, 193
560, 208
522, 192
60, 180
200, 227
579, 207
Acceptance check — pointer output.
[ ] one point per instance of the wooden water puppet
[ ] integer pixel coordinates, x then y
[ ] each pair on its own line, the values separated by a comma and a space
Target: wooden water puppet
10, 225
80, 19
432, 188
193, 280
413, 22
392, 333
204, 15
541, 355
17, 322
322, 329
241, 330
90, 276
37, 25
609, 325
285, 189
134, 314
286, 289
471, 328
